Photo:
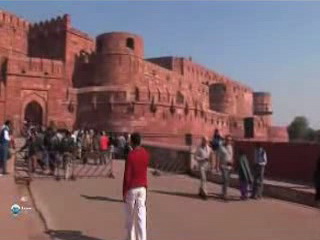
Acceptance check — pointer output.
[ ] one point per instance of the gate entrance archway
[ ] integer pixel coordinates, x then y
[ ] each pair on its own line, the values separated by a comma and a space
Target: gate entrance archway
34, 113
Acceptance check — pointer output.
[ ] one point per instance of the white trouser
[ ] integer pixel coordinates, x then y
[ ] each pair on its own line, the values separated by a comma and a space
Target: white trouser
136, 214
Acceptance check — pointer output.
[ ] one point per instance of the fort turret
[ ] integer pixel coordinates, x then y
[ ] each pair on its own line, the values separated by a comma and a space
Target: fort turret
119, 58
221, 98
262, 106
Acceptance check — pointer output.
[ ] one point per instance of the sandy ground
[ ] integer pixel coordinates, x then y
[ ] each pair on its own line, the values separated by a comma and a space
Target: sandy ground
26, 226
91, 209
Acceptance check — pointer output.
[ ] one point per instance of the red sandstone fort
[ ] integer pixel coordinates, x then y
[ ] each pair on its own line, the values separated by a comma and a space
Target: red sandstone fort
54, 73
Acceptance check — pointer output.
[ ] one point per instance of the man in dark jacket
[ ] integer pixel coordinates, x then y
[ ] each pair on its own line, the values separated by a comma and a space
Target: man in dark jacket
68, 149
317, 183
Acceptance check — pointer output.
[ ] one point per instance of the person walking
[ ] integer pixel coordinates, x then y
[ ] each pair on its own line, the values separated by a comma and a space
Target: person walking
317, 183
135, 185
203, 155
226, 164
216, 142
4, 145
245, 176
260, 160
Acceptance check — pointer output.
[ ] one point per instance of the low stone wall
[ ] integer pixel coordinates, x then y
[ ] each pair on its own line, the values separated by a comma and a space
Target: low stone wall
180, 159
169, 158
284, 191
293, 162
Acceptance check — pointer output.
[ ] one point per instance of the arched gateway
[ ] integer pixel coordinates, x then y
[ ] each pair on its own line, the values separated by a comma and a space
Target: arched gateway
34, 113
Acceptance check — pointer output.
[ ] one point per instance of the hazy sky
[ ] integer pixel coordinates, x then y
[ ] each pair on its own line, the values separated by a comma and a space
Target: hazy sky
270, 46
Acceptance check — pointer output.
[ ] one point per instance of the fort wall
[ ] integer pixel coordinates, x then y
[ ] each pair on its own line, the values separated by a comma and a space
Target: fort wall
13, 32
48, 39
106, 83
37, 67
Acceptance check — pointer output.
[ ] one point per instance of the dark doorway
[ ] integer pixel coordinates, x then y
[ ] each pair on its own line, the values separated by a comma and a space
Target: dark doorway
34, 113
249, 127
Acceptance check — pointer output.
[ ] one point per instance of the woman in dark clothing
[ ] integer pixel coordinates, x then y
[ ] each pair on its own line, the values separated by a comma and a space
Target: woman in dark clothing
245, 176
317, 183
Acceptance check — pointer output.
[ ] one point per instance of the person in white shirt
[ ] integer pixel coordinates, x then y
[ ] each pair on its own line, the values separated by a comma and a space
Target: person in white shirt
260, 160
203, 156
226, 164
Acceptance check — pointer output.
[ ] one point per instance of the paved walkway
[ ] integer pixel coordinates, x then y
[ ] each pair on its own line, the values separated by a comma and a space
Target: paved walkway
91, 209
27, 226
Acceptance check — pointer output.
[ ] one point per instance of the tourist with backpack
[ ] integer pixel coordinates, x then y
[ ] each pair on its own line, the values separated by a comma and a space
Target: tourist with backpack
260, 161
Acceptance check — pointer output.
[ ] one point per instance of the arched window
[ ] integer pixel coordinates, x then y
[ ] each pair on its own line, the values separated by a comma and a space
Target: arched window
130, 43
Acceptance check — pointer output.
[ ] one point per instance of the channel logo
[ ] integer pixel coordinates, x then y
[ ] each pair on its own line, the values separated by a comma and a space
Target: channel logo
15, 209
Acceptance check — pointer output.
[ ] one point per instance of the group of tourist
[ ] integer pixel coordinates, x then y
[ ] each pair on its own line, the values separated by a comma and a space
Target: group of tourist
50, 149
218, 156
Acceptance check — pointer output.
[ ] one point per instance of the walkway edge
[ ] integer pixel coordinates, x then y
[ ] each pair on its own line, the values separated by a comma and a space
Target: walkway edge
38, 211
270, 190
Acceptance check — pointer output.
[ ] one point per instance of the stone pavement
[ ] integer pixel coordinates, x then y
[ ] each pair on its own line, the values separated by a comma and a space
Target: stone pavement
91, 209
26, 226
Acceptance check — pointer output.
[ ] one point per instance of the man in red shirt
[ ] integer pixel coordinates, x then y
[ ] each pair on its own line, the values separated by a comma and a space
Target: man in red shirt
135, 190
104, 145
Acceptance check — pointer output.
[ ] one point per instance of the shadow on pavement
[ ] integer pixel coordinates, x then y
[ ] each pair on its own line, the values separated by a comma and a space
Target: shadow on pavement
101, 198
219, 198
70, 235
179, 194
195, 196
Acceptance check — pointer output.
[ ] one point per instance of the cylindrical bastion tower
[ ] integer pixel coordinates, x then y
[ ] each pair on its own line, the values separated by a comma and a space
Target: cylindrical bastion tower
118, 58
262, 105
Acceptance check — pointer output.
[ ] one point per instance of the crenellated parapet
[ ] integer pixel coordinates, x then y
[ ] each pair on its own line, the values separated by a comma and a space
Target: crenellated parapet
10, 20
53, 25
47, 39
35, 67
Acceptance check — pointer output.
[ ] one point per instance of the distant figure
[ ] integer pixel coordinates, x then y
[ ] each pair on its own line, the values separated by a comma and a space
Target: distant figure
226, 164
216, 141
68, 148
135, 190
4, 145
259, 169
121, 146
245, 176
317, 183
203, 155
104, 146
127, 147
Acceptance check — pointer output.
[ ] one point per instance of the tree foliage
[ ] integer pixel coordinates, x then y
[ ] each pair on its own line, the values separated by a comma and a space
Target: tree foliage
300, 130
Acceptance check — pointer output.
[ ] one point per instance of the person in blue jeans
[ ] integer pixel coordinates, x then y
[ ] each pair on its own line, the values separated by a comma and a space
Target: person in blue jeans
260, 162
226, 163
4, 145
